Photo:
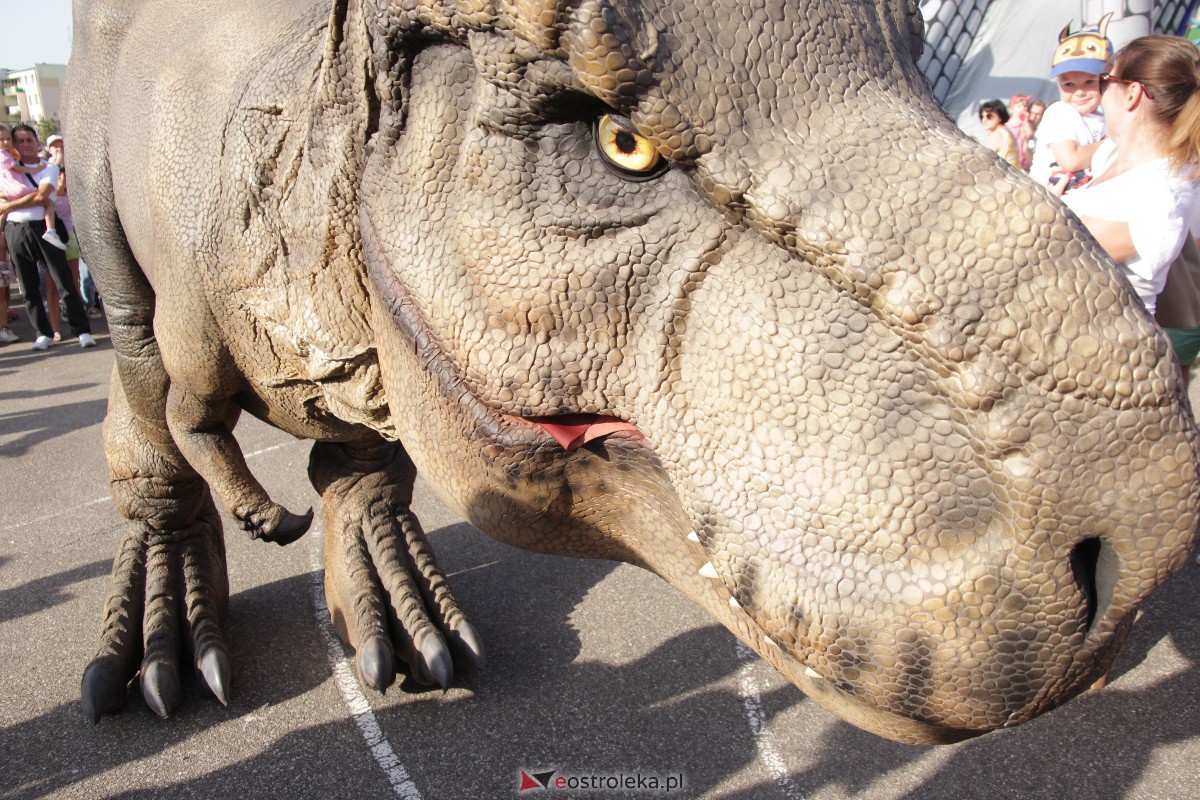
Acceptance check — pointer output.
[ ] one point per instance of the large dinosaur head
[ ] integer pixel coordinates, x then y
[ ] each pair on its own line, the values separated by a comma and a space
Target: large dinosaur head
880, 404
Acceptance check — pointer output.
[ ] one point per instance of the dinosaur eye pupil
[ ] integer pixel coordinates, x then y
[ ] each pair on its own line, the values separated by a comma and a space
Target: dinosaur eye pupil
626, 143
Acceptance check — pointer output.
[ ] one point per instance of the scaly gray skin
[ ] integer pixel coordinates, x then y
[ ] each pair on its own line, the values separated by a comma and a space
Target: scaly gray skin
902, 427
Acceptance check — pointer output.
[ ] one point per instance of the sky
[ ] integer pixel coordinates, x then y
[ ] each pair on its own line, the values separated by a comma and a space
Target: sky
43, 38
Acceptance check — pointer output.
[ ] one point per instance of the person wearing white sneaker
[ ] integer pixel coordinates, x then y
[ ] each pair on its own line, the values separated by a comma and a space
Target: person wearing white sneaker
86, 340
24, 232
7, 336
43, 343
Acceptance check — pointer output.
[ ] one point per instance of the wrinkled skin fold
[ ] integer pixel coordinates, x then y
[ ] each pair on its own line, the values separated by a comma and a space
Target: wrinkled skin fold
874, 400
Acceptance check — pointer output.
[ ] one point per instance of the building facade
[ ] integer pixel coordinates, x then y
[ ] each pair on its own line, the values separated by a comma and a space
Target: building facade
28, 95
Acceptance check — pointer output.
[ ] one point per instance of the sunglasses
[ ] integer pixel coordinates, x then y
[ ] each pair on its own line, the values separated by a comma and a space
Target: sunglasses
987, 115
1107, 77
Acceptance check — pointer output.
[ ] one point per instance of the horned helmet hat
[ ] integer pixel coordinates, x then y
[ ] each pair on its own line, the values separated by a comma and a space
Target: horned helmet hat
1087, 50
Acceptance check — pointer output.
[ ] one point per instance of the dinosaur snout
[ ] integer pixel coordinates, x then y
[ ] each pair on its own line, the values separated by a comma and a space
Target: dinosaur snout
937, 508
991, 600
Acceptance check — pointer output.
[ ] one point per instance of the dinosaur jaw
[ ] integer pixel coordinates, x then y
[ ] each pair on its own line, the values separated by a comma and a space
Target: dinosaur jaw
596, 487
619, 501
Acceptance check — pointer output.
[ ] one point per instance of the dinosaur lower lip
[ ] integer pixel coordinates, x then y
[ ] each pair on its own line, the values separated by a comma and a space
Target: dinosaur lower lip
572, 431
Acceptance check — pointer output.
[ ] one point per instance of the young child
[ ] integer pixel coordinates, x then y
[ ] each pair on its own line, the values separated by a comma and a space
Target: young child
1071, 129
13, 186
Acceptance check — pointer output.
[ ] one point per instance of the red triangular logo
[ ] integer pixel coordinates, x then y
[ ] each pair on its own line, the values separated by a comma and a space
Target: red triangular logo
527, 783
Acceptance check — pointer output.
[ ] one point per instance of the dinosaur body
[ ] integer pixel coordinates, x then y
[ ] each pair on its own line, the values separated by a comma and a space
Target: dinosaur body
871, 398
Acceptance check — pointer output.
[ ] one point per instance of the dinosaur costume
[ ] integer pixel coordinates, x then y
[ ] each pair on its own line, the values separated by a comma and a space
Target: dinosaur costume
874, 400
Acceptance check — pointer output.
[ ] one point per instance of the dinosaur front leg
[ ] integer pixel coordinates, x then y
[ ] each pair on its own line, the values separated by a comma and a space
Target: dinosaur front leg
168, 593
386, 594
202, 425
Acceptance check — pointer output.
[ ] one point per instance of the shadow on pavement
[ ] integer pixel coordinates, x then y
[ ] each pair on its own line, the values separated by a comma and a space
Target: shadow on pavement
32, 395
543, 703
47, 422
47, 592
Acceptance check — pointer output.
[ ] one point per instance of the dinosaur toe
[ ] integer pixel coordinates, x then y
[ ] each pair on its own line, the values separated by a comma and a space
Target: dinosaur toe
160, 687
102, 690
214, 668
377, 663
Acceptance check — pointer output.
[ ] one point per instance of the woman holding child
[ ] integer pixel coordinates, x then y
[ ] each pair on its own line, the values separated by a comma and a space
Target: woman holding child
1139, 202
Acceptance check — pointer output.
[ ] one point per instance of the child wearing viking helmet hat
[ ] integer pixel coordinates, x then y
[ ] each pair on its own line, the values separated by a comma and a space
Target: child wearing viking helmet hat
1072, 128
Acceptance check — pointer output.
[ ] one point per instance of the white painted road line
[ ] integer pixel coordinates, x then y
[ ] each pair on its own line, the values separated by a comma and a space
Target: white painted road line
757, 717
347, 682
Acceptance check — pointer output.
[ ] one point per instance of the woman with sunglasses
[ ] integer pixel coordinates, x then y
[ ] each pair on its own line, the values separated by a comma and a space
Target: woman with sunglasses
1139, 201
994, 116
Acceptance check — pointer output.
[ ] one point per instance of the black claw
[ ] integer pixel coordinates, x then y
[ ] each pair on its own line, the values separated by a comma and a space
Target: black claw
467, 646
160, 688
290, 528
436, 665
214, 668
102, 690
377, 663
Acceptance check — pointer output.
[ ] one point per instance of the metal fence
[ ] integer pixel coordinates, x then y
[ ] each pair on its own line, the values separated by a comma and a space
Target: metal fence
950, 28
1173, 15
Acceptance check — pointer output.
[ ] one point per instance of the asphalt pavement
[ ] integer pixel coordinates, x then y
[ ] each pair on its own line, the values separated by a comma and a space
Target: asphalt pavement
596, 672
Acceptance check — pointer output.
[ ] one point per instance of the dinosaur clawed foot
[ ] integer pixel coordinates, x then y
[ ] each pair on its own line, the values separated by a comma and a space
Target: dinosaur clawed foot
167, 599
388, 596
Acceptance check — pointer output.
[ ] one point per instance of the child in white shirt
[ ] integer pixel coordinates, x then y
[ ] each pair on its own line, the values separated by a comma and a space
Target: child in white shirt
1071, 129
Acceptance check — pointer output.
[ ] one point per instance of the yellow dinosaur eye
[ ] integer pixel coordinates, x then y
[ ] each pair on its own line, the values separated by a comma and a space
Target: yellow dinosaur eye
624, 149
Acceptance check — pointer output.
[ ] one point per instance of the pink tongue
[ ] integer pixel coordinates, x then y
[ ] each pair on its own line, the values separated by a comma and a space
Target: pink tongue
575, 430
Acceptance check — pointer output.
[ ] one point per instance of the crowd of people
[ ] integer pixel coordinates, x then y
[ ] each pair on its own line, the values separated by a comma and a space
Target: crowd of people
38, 247
1121, 147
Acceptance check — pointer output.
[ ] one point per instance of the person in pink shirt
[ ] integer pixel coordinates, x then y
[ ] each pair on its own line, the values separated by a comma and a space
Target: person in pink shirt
1019, 126
14, 186
27, 247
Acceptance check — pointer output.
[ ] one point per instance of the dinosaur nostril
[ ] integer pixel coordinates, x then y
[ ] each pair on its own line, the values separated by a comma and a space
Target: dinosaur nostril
1094, 565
